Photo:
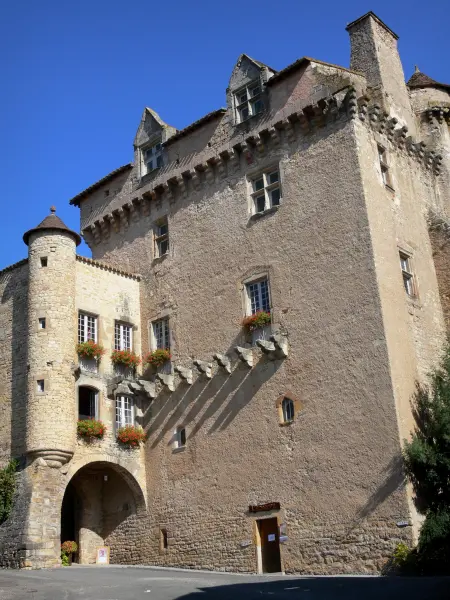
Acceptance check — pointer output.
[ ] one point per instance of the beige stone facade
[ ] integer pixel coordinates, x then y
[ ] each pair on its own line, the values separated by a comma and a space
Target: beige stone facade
320, 196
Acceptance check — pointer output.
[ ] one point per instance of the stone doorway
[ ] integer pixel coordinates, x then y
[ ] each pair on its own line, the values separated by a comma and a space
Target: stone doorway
98, 504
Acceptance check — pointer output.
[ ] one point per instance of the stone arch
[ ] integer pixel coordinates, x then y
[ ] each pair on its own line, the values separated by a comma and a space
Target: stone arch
101, 500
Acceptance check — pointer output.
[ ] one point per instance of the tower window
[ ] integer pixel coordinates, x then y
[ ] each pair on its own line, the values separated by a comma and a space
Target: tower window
87, 328
161, 238
43, 261
408, 277
163, 539
258, 298
287, 407
248, 101
153, 158
40, 385
123, 336
266, 191
42, 323
124, 411
180, 437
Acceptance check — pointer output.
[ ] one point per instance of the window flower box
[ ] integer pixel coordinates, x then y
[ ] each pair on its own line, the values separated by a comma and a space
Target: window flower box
257, 321
131, 435
91, 429
127, 358
157, 358
90, 350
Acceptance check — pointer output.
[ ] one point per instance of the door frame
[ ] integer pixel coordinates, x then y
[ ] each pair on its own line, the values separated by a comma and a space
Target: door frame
257, 540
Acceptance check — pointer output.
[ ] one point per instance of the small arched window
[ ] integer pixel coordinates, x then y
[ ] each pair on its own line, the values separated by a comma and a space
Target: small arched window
288, 409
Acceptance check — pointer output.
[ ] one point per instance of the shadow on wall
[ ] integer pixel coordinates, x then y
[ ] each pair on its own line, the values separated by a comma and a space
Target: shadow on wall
227, 394
326, 588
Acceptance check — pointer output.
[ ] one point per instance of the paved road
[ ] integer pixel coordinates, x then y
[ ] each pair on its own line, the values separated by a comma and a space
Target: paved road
134, 583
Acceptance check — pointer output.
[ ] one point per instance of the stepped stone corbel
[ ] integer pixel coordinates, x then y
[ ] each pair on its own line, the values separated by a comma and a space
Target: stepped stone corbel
352, 103
195, 179
223, 361
135, 211
303, 120
185, 374
281, 344
363, 107
149, 388
95, 233
383, 119
104, 227
391, 128
209, 174
245, 355
167, 380
267, 347
204, 367
438, 163
401, 135
274, 136
374, 113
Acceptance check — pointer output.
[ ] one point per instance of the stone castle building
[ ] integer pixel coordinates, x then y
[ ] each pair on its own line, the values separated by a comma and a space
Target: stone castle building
320, 195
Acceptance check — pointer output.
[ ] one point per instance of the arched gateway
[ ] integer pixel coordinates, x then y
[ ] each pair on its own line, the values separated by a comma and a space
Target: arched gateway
99, 499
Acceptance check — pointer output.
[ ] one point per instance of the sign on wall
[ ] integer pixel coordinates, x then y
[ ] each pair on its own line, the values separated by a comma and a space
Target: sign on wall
102, 555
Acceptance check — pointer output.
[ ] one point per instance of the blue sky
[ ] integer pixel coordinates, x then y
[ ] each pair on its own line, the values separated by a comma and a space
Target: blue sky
77, 75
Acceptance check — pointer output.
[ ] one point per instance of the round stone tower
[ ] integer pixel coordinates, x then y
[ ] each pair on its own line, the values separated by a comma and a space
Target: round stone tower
51, 407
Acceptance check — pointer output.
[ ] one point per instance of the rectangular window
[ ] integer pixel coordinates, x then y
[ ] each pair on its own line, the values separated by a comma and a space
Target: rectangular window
123, 336
42, 323
384, 167
258, 296
153, 158
43, 261
161, 334
40, 385
180, 437
266, 191
408, 278
161, 238
163, 539
248, 102
87, 328
124, 411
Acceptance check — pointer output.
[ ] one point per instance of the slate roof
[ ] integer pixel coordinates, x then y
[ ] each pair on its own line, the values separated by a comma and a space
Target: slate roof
76, 199
209, 117
52, 222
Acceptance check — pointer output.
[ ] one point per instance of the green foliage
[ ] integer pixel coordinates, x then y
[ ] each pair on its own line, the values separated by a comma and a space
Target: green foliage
401, 555
427, 463
65, 559
91, 428
7, 489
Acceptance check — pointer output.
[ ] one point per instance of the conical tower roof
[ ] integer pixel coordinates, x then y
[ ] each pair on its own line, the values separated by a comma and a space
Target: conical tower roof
421, 80
52, 222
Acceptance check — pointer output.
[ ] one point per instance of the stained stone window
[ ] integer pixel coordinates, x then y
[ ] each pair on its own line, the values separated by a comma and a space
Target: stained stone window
266, 191
258, 296
248, 101
161, 334
124, 411
123, 336
87, 327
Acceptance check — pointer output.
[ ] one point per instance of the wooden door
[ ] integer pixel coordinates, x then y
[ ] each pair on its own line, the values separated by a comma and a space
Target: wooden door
270, 545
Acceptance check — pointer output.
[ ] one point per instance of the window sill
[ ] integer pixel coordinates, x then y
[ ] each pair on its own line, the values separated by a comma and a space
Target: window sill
390, 188
286, 423
149, 176
268, 211
413, 301
178, 450
159, 259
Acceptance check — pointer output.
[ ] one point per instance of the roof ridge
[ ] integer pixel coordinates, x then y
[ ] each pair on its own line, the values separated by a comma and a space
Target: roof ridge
14, 266
107, 267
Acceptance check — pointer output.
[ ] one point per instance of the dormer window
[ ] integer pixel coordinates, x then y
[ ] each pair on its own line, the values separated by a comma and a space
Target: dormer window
248, 101
153, 158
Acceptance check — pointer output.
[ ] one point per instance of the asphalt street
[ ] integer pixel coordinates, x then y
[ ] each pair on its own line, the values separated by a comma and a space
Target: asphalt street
145, 583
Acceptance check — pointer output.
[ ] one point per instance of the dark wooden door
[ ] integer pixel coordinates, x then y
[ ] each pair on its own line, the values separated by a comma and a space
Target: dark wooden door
270, 545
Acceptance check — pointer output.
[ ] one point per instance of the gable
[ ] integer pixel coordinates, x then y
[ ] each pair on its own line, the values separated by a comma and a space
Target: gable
245, 70
151, 127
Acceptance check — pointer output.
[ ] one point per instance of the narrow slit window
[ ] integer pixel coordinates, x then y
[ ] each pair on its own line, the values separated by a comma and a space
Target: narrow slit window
164, 543
42, 323
161, 238
44, 261
408, 277
288, 410
180, 437
40, 385
384, 166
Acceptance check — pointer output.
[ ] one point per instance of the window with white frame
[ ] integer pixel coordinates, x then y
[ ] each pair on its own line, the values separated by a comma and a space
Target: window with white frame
258, 296
161, 334
180, 437
123, 336
408, 277
266, 191
153, 158
248, 101
87, 327
161, 237
124, 411
384, 166
287, 407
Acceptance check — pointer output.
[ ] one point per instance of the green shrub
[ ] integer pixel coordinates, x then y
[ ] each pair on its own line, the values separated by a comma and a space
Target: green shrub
7, 489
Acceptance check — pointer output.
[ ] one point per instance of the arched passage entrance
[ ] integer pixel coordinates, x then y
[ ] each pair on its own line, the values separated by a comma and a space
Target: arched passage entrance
98, 502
